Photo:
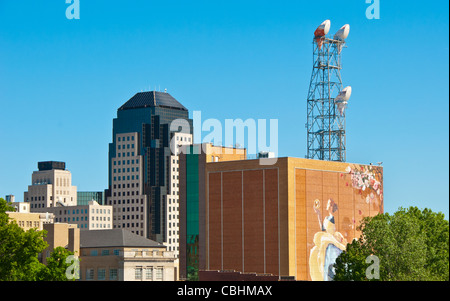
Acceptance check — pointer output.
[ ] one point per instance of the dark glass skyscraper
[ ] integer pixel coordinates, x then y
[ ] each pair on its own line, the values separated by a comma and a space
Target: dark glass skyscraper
140, 162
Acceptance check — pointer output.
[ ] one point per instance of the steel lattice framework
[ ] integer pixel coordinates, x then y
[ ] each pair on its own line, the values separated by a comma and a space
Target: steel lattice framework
325, 126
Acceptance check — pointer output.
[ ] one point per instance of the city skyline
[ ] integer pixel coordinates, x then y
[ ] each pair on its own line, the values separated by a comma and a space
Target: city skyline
62, 81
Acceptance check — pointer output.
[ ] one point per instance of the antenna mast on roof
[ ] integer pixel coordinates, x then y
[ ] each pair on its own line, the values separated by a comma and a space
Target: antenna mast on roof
327, 99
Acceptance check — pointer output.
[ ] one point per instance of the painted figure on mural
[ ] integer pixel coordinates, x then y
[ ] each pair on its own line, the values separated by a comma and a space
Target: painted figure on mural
328, 244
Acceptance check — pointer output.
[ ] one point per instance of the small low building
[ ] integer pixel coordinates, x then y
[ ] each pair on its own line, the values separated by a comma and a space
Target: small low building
27, 220
61, 235
120, 255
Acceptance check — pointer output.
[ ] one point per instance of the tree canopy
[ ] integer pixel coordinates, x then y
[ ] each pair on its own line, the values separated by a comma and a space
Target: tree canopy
410, 244
19, 252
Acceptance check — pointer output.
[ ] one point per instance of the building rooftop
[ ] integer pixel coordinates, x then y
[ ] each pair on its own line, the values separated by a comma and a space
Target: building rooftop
152, 99
50, 165
115, 238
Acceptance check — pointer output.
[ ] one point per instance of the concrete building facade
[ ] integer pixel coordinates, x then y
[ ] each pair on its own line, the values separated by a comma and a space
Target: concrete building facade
289, 219
120, 255
51, 186
29, 220
86, 217
61, 235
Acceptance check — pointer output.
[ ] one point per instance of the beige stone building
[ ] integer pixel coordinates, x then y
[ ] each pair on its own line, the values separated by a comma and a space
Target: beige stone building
27, 220
58, 234
61, 235
172, 199
86, 217
51, 186
127, 193
120, 255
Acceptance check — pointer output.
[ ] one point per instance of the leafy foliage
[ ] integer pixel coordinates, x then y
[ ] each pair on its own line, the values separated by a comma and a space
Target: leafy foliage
19, 252
410, 244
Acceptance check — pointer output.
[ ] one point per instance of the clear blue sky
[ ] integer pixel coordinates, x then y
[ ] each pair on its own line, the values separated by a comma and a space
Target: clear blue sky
61, 81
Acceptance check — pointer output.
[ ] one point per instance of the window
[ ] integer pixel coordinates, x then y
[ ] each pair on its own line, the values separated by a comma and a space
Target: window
101, 274
149, 273
159, 274
138, 273
94, 253
105, 252
89, 274
112, 274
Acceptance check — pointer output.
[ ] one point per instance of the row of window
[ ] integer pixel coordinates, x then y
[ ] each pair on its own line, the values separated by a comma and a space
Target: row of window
123, 170
132, 225
95, 226
122, 178
183, 138
174, 240
130, 216
175, 217
128, 209
123, 146
99, 226
28, 224
42, 198
149, 273
123, 162
125, 202
83, 218
59, 182
125, 193
104, 252
127, 138
127, 185
101, 274
123, 154
85, 211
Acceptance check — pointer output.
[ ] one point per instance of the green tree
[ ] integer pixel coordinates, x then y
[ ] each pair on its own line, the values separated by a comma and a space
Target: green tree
57, 265
410, 244
19, 252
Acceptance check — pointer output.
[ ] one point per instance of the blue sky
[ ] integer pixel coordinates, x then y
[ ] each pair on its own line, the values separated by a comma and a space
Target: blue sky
61, 81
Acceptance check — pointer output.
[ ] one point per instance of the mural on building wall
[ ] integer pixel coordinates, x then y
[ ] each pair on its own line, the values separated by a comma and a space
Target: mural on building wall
368, 179
331, 240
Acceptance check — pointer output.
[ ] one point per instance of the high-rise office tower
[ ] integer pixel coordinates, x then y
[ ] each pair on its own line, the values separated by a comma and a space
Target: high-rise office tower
143, 167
